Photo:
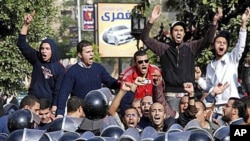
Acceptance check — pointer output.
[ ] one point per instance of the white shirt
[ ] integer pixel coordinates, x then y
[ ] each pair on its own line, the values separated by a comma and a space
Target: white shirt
225, 70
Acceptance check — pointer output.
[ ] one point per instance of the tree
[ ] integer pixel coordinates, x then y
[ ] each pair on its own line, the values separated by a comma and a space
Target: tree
14, 67
198, 13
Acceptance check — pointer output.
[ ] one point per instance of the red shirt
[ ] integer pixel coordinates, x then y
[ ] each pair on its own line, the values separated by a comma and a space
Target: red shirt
131, 74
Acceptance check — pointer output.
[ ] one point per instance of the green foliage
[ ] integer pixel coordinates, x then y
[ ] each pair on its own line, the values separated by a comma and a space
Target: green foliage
199, 14
97, 57
13, 66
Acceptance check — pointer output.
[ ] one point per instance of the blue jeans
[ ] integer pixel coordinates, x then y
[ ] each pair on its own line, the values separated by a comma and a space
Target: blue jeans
173, 102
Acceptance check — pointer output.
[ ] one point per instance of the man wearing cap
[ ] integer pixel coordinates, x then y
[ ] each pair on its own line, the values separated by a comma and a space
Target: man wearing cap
222, 71
177, 58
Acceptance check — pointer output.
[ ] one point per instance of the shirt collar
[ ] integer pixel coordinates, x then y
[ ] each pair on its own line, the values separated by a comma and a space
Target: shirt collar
83, 65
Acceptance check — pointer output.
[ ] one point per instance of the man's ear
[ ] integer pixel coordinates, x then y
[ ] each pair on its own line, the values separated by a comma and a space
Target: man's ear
26, 107
79, 55
139, 118
235, 111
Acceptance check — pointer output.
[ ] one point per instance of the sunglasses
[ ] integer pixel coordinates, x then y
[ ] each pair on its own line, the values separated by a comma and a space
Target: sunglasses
141, 61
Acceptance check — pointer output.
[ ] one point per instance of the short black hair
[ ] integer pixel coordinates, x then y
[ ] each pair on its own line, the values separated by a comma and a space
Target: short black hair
139, 53
44, 103
74, 103
82, 44
241, 106
29, 100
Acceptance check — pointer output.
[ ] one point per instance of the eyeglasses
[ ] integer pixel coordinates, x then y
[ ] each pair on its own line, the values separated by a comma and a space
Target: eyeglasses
141, 61
131, 115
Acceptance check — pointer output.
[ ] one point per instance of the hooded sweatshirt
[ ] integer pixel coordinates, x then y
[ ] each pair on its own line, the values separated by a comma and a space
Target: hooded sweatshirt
46, 76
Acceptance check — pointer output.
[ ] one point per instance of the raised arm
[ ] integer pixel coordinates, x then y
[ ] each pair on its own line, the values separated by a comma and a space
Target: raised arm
126, 86
117, 100
244, 18
189, 88
28, 52
158, 95
27, 20
156, 46
155, 14
217, 16
208, 39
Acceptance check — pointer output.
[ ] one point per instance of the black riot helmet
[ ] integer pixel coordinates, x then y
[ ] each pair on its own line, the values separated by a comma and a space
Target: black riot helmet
222, 134
20, 119
69, 136
69, 124
148, 133
96, 104
174, 136
3, 136
112, 131
96, 138
25, 135
10, 108
130, 134
52, 136
160, 138
16, 135
200, 135
56, 125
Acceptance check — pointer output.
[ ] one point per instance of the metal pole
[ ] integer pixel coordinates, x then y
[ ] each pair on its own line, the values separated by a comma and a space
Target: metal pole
79, 20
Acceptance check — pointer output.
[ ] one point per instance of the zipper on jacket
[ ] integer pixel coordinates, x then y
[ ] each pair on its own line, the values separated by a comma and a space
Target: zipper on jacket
178, 52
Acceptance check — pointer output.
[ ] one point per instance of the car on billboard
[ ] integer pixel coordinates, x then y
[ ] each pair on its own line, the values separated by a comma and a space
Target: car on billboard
117, 35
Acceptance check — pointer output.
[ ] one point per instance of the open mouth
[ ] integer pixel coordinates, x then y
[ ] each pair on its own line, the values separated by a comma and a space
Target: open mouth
157, 119
44, 56
178, 38
144, 69
221, 49
131, 123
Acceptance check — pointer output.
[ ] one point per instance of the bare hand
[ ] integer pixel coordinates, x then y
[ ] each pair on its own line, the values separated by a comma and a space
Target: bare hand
28, 18
127, 86
157, 78
197, 73
188, 86
155, 13
246, 15
218, 15
59, 116
139, 81
53, 112
220, 88
120, 77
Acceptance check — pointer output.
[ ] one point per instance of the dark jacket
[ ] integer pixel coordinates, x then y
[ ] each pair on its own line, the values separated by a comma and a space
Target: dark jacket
177, 61
158, 96
46, 76
245, 76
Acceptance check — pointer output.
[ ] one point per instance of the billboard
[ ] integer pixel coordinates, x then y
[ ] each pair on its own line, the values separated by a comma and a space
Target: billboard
113, 30
87, 18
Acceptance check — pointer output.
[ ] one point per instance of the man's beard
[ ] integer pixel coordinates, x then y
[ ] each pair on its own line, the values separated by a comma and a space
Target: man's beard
226, 118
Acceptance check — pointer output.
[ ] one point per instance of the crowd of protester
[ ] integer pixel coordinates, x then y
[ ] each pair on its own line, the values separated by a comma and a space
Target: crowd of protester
146, 102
